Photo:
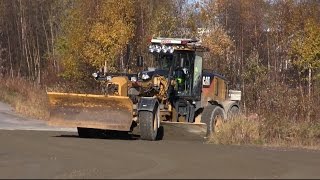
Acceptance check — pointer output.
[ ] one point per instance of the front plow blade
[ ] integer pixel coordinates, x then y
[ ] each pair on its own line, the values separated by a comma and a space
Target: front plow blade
90, 111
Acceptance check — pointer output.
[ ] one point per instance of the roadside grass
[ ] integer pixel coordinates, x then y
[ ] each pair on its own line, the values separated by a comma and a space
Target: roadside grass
237, 131
25, 97
268, 132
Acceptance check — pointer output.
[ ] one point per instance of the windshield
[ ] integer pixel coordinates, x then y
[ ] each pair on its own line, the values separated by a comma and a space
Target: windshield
184, 67
161, 61
165, 61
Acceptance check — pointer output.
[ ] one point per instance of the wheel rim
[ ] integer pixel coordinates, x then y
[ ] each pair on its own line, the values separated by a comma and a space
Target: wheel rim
154, 123
234, 112
218, 123
155, 120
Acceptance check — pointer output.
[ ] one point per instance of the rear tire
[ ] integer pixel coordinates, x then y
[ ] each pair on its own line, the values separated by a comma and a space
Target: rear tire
148, 125
212, 115
233, 112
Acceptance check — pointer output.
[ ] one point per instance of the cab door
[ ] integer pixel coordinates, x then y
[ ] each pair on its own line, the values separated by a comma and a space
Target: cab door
197, 78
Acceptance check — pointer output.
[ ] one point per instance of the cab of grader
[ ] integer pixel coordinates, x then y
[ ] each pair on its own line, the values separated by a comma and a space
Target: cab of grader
176, 90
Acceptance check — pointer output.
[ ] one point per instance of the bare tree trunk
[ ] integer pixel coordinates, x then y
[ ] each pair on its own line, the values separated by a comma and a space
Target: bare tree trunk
121, 61
37, 65
55, 64
302, 93
45, 32
28, 58
142, 25
10, 55
23, 36
268, 49
243, 83
105, 68
19, 30
52, 34
309, 94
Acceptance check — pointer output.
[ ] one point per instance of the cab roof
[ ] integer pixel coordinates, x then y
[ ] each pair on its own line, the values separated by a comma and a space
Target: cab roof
180, 43
206, 72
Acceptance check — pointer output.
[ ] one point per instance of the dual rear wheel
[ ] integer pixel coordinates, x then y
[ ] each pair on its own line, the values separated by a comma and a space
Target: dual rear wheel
214, 116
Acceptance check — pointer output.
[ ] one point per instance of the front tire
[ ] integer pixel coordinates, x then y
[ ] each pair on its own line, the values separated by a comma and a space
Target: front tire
148, 125
213, 116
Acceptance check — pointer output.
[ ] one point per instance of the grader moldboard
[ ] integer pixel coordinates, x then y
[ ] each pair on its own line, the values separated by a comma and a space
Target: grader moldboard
177, 90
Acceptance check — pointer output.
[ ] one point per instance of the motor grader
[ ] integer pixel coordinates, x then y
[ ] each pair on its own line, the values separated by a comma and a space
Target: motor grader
176, 90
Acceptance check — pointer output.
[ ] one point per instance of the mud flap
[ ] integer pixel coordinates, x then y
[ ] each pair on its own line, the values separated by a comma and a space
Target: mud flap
90, 111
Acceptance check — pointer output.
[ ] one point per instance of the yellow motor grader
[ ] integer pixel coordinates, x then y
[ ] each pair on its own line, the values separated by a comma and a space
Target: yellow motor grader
176, 90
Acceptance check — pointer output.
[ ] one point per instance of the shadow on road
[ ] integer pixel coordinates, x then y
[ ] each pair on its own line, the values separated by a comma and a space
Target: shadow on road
175, 132
98, 134
109, 134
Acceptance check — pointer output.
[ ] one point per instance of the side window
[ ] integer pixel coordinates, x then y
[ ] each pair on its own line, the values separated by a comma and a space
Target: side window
197, 75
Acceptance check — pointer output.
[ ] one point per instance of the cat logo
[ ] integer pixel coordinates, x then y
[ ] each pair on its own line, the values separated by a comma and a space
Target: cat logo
206, 80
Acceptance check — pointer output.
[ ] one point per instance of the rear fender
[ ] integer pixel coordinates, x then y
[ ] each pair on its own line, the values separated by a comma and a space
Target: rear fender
227, 105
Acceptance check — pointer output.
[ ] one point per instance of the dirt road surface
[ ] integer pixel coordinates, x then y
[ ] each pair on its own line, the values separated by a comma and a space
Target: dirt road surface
30, 149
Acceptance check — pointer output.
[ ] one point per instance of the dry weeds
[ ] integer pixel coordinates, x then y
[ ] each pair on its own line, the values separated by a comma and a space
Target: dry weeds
25, 97
238, 131
264, 132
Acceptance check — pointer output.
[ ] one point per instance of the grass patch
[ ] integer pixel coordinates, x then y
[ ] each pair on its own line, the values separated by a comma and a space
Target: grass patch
25, 97
238, 131
268, 132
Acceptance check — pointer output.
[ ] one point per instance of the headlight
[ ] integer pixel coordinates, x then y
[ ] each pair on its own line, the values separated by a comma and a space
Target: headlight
171, 49
145, 76
133, 79
109, 78
158, 48
95, 75
151, 48
164, 48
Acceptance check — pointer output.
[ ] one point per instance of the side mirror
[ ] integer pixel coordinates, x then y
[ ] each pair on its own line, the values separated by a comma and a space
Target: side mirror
96, 75
140, 61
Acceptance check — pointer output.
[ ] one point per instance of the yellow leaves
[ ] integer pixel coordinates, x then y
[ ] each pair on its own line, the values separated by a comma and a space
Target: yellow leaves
163, 22
111, 31
306, 46
217, 40
97, 31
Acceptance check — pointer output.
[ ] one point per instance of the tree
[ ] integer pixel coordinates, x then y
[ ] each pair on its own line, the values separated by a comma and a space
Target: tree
306, 50
164, 20
95, 34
